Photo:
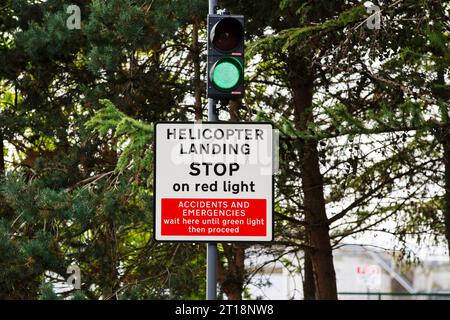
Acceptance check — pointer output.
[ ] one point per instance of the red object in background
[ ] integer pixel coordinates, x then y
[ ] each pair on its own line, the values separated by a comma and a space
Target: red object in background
251, 221
368, 269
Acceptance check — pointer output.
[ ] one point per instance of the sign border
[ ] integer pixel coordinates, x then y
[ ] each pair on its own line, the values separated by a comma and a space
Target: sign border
272, 238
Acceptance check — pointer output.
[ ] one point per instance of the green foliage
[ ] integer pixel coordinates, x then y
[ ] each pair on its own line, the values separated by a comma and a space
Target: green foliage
296, 37
73, 193
47, 292
78, 295
133, 138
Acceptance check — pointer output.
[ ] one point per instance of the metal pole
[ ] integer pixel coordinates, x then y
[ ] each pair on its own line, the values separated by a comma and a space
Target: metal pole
212, 111
212, 6
211, 271
211, 252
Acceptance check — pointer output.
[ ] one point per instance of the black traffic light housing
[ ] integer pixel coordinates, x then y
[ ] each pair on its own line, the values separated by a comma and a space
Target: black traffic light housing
225, 56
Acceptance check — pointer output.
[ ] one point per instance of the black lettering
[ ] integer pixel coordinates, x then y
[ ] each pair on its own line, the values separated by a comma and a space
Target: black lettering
171, 132
219, 134
209, 137
207, 166
248, 134
245, 149
259, 134
195, 171
182, 134
219, 169
216, 148
233, 168
222, 171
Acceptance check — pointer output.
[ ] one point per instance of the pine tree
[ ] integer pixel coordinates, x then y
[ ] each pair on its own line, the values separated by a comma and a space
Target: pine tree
71, 196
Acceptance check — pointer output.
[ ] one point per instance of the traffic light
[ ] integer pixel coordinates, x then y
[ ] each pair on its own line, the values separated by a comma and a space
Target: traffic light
225, 56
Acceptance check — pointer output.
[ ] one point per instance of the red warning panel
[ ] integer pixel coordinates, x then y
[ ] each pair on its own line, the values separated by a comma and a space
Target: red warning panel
214, 217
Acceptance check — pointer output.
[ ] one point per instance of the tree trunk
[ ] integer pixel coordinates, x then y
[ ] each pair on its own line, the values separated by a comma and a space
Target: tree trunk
232, 276
446, 145
2, 156
444, 138
309, 292
233, 109
312, 184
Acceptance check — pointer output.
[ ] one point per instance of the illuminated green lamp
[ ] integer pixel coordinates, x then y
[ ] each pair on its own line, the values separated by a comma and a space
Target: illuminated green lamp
227, 73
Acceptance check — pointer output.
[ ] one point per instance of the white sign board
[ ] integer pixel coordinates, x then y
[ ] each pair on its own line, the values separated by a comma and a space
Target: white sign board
213, 182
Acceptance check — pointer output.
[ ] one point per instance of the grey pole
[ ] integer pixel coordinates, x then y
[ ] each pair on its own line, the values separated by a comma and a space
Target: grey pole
212, 112
211, 271
212, 6
211, 252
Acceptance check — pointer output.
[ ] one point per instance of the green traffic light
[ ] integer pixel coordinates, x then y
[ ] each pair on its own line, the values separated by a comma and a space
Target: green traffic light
227, 74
